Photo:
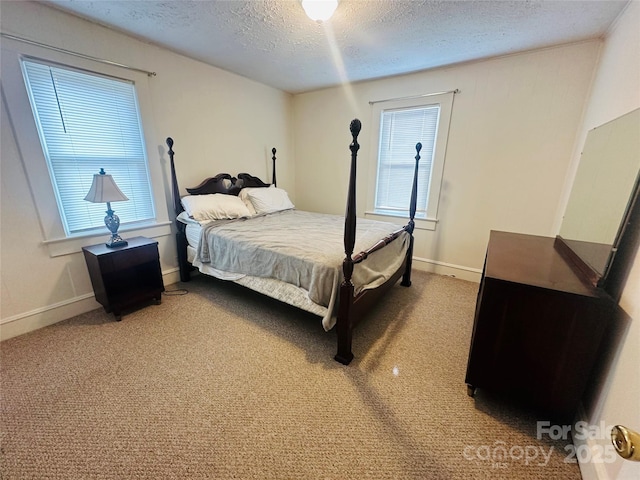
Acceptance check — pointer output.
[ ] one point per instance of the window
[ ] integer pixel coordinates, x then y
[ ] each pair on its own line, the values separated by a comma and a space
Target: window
401, 125
87, 122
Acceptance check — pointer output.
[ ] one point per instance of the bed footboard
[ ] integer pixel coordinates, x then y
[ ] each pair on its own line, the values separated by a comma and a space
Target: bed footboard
352, 308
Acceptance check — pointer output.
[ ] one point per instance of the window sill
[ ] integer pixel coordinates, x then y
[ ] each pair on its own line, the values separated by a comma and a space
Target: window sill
421, 223
69, 245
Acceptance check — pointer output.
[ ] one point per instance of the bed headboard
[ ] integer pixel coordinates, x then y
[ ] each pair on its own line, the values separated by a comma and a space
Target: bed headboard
221, 183
226, 184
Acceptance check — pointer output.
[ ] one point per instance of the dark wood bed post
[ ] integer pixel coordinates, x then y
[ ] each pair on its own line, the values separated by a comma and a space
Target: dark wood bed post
273, 158
181, 236
177, 206
347, 309
344, 326
406, 278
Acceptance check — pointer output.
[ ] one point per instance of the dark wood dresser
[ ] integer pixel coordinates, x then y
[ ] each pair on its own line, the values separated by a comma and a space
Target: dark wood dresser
538, 325
125, 276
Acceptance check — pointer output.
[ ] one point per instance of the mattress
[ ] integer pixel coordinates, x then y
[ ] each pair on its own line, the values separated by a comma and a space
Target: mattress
294, 256
271, 287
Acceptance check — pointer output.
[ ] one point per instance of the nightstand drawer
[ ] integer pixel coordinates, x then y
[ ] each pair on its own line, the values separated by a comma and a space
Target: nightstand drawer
130, 258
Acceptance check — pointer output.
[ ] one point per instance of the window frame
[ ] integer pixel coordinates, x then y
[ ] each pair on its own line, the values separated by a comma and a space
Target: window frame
445, 102
23, 123
64, 159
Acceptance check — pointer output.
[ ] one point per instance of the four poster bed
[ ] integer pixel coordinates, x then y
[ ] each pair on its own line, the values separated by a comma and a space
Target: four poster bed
247, 231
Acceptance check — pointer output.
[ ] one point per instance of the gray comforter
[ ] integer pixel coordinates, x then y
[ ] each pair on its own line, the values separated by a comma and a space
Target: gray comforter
301, 248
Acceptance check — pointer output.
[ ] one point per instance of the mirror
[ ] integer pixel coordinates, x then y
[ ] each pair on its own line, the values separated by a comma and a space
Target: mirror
604, 183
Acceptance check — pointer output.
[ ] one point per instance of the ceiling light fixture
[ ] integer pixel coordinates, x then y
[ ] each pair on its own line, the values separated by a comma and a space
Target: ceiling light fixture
319, 10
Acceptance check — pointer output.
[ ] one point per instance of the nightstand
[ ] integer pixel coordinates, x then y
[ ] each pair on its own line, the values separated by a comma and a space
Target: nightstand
125, 276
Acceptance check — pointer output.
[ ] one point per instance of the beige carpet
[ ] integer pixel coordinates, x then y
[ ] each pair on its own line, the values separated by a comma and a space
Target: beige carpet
224, 383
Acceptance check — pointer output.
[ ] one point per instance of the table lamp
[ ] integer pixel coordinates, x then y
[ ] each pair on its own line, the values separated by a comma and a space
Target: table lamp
104, 189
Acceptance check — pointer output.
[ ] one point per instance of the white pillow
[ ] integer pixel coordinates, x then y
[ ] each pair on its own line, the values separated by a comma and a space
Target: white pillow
268, 200
186, 219
244, 196
217, 206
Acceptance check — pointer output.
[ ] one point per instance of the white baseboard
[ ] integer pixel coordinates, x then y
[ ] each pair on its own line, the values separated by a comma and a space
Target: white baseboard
28, 321
169, 277
448, 269
41, 317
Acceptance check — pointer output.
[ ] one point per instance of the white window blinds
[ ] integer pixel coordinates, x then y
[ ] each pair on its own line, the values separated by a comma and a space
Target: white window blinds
87, 122
400, 130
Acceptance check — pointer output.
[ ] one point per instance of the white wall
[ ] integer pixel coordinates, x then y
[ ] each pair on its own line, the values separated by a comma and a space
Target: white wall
616, 91
219, 121
513, 131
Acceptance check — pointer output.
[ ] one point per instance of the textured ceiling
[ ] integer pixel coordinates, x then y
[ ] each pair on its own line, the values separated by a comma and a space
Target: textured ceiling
275, 43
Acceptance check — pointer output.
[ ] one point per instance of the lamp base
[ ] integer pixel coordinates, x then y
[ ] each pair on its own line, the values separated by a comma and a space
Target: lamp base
116, 241
113, 222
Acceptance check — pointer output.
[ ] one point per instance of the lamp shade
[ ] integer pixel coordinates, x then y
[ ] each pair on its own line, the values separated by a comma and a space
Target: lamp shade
104, 189
319, 10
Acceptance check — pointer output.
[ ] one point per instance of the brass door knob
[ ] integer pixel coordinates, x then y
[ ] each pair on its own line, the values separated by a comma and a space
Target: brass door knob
626, 442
